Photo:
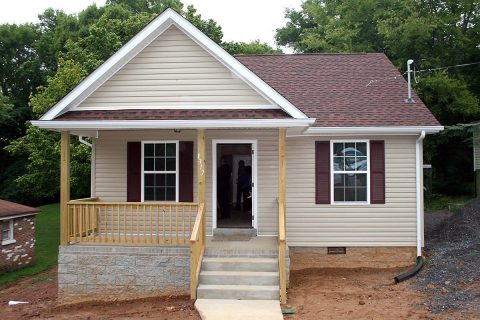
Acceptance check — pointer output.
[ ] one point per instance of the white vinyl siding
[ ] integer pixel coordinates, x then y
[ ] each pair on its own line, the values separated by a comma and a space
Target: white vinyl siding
173, 71
389, 224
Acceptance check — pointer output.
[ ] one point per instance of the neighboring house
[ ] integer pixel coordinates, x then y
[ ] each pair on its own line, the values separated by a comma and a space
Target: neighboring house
17, 226
335, 161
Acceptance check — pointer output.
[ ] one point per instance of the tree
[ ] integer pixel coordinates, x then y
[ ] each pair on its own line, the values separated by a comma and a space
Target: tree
254, 47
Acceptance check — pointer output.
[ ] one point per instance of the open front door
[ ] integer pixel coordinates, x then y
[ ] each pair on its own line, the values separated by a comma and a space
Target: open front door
234, 184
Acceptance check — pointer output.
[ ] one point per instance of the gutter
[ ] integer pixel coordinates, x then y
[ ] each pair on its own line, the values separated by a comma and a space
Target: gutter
419, 190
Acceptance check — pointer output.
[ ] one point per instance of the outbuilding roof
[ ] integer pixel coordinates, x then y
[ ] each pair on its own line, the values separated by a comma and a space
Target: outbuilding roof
11, 209
342, 90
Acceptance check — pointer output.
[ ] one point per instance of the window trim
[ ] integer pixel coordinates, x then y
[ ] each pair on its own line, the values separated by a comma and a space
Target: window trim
11, 239
177, 171
332, 181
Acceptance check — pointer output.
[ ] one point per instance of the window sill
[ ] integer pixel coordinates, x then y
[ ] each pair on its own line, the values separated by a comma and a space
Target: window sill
6, 242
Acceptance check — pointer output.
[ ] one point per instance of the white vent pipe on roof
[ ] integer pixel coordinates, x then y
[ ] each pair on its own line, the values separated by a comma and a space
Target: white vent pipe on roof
409, 99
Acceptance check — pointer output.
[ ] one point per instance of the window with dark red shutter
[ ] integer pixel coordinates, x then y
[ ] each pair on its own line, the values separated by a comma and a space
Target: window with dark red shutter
186, 171
322, 172
377, 171
134, 171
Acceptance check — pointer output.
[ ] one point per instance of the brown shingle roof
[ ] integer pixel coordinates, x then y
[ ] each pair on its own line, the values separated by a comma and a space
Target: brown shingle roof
174, 114
8, 209
333, 88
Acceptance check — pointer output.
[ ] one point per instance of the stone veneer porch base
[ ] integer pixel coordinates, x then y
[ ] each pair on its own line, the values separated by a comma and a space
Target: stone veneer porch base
120, 271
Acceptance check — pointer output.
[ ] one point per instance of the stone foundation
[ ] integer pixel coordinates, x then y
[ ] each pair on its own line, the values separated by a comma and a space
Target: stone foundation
111, 271
21, 252
355, 257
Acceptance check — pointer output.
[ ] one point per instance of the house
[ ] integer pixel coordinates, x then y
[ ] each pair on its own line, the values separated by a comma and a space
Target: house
17, 226
333, 150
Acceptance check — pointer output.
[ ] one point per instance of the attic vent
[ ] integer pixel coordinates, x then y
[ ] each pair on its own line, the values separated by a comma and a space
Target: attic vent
336, 250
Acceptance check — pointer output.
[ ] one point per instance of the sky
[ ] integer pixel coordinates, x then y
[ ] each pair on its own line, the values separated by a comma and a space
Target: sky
244, 20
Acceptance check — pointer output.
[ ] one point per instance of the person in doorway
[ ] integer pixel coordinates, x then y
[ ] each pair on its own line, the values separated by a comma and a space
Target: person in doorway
224, 176
242, 182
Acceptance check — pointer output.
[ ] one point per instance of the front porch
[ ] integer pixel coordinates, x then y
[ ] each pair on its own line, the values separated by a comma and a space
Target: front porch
126, 227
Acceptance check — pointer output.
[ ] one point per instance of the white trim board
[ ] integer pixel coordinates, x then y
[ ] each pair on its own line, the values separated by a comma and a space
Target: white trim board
62, 125
144, 38
414, 130
253, 143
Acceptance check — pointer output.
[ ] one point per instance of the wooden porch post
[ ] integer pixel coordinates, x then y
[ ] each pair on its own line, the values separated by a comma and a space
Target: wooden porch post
282, 187
201, 177
64, 186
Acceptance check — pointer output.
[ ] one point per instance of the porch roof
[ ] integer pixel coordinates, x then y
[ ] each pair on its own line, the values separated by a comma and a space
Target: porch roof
174, 114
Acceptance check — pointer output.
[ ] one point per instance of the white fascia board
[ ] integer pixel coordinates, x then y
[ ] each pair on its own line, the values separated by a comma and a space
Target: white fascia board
145, 37
400, 130
59, 125
20, 215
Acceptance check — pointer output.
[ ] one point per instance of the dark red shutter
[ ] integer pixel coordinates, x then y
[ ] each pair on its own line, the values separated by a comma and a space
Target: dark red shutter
134, 171
322, 172
185, 171
377, 171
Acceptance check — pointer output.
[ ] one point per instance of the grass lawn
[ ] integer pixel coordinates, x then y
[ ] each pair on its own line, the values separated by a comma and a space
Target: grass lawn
48, 237
439, 202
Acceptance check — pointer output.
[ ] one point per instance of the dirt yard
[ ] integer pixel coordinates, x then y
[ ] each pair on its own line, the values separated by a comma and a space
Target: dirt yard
447, 288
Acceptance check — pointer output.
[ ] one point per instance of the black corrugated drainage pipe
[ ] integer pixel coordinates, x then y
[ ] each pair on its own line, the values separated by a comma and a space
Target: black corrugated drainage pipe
412, 272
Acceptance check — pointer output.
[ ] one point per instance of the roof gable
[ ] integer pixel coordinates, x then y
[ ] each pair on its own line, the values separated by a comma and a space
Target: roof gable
139, 42
173, 71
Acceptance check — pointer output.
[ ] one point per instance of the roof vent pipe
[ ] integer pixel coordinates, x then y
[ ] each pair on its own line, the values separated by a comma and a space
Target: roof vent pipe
409, 99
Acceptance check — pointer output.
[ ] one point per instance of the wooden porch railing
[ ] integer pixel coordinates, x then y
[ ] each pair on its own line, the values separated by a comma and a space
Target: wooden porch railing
129, 222
197, 249
282, 254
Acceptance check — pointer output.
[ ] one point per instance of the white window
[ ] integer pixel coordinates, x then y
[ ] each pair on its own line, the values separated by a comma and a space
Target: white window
7, 232
350, 171
160, 171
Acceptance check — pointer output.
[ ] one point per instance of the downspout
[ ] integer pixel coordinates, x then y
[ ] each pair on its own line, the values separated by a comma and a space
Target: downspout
92, 165
419, 189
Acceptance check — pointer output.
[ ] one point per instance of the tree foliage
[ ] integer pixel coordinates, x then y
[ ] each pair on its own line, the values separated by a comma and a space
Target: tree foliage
433, 33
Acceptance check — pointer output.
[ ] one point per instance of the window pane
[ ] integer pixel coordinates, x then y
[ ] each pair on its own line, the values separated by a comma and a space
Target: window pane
148, 164
159, 164
338, 149
338, 163
170, 180
362, 164
350, 194
170, 194
361, 180
338, 194
349, 163
160, 193
160, 180
339, 180
350, 180
361, 194
171, 164
160, 150
149, 180
361, 149
349, 149
148, 150
149, 194
171, 150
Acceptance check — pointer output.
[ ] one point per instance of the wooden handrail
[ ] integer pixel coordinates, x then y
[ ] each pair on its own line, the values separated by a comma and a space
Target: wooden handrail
197, 249
198, 221
84, 200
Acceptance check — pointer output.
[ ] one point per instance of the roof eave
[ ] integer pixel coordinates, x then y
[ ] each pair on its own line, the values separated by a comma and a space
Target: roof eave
372, 130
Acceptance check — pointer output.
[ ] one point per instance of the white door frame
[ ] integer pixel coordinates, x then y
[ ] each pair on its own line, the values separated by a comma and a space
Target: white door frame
253, 143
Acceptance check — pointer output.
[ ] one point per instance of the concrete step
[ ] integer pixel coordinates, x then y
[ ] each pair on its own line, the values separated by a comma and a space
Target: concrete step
242, 252
227, 232
240, 292
239, 264
239, 278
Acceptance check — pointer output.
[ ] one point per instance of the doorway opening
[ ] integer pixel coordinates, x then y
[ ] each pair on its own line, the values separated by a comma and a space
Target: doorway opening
234, 185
